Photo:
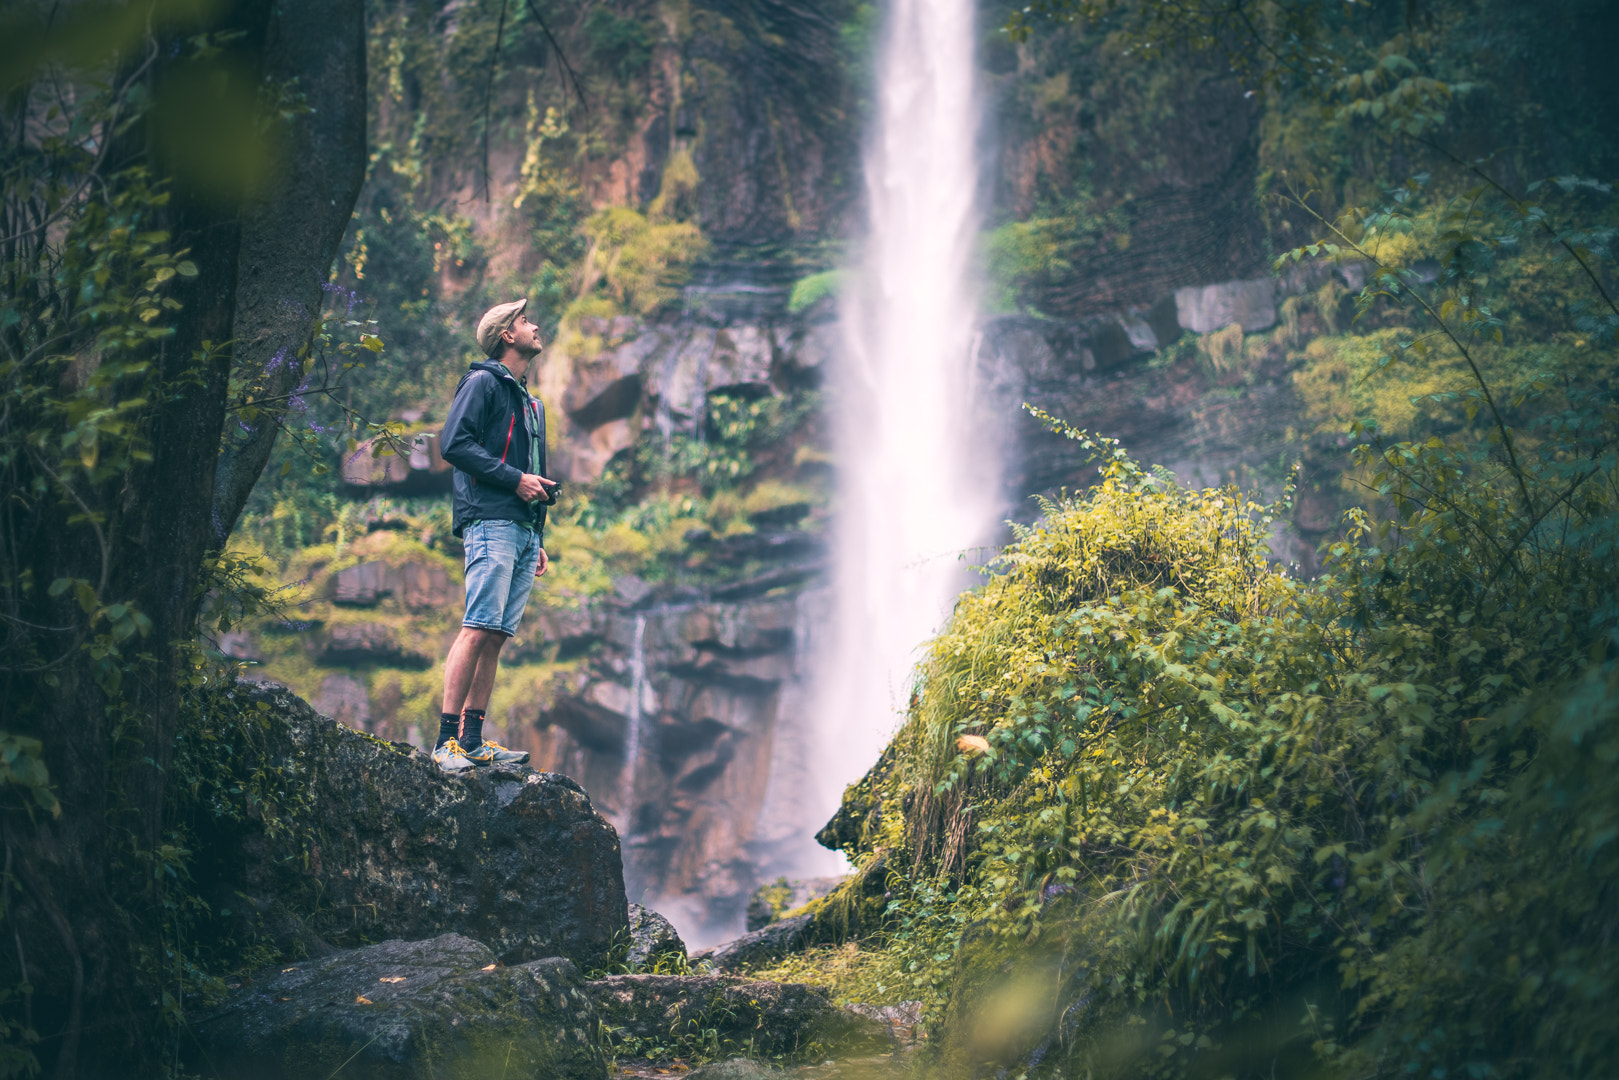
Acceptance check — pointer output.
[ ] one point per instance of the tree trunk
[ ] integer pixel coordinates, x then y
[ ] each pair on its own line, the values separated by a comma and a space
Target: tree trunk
82, 940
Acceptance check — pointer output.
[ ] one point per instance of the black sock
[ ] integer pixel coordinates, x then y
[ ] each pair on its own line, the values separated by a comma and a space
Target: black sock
471, 729
449, 726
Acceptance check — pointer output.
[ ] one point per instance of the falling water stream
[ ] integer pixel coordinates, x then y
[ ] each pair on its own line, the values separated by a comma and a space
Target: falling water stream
632, 741
917, 487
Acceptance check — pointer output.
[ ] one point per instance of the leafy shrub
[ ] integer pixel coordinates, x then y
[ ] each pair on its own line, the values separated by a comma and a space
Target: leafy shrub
636, 261
1231, 798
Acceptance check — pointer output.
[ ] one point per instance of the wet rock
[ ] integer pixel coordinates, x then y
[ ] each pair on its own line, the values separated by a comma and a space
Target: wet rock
344, 699
385, 845
741, 362
858, 908
763, 1019
631, 589
590, 453
763, 946
770, 902
421, 586
1205, 308
362, 585
735, 1069
903, 1021
425, 586
652, 938
401, 1011
349, 644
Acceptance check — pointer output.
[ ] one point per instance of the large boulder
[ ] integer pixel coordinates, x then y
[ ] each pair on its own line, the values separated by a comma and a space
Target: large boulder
764, 1019
369, 840
765, 946
653, 939
401, 1010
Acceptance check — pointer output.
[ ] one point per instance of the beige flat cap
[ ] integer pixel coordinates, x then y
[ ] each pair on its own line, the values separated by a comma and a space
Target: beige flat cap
496, 321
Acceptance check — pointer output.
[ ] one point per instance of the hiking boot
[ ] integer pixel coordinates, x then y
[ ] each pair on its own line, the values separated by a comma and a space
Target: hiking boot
451, 758
492, 753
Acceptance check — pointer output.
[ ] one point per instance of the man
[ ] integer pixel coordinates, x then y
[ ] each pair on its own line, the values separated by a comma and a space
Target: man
495, 438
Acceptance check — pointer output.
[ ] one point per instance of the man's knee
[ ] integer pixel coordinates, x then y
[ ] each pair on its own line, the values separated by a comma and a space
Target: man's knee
489, 642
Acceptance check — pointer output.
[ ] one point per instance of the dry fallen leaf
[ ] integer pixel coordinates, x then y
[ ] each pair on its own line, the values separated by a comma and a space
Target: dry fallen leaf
392, 978
362, 1000
491, 967
283, 999
285, 970
975, 743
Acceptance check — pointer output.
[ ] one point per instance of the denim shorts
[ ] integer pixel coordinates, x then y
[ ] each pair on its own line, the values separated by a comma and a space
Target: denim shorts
501, 559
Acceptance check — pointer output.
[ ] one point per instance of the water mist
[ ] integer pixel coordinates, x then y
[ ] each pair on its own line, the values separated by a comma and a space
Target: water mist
917, 486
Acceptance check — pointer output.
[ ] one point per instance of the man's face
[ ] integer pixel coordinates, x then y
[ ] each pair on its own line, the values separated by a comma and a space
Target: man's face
523, 336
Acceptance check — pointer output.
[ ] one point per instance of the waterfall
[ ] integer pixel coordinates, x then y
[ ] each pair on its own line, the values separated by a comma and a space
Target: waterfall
632, 738
917, 486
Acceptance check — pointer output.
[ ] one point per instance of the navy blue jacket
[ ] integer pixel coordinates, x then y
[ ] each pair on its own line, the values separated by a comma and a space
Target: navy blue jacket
487, 437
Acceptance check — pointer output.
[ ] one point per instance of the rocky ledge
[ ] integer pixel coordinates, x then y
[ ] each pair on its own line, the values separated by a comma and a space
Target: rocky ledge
734, 1015
400, 1010
496, 887
368, 840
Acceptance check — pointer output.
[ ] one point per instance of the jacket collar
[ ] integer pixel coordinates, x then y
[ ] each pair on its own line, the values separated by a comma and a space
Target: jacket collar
499, 370
494, 367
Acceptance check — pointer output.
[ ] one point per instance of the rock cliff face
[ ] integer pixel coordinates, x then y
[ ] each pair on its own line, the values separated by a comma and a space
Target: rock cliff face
372, 841
690, 712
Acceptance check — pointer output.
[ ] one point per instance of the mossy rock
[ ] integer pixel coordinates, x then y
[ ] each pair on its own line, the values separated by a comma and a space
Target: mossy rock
401, 1010
713, 1015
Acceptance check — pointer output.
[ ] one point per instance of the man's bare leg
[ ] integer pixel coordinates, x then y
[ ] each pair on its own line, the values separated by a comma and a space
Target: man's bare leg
465, 663
483, 676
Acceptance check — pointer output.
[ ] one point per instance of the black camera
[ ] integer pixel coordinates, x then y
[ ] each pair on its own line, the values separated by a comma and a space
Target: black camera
551, 494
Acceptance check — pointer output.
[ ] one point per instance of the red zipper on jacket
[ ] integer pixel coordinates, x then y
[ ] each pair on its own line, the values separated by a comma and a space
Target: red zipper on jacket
509, 429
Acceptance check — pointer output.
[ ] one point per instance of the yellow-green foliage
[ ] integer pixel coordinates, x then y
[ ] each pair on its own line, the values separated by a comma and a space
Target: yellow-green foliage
676, 194
1167, 809
853, 973
809, 291
635, 260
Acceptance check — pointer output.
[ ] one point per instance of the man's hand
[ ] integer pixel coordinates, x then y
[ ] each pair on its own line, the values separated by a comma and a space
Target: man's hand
543, 565
532, 487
